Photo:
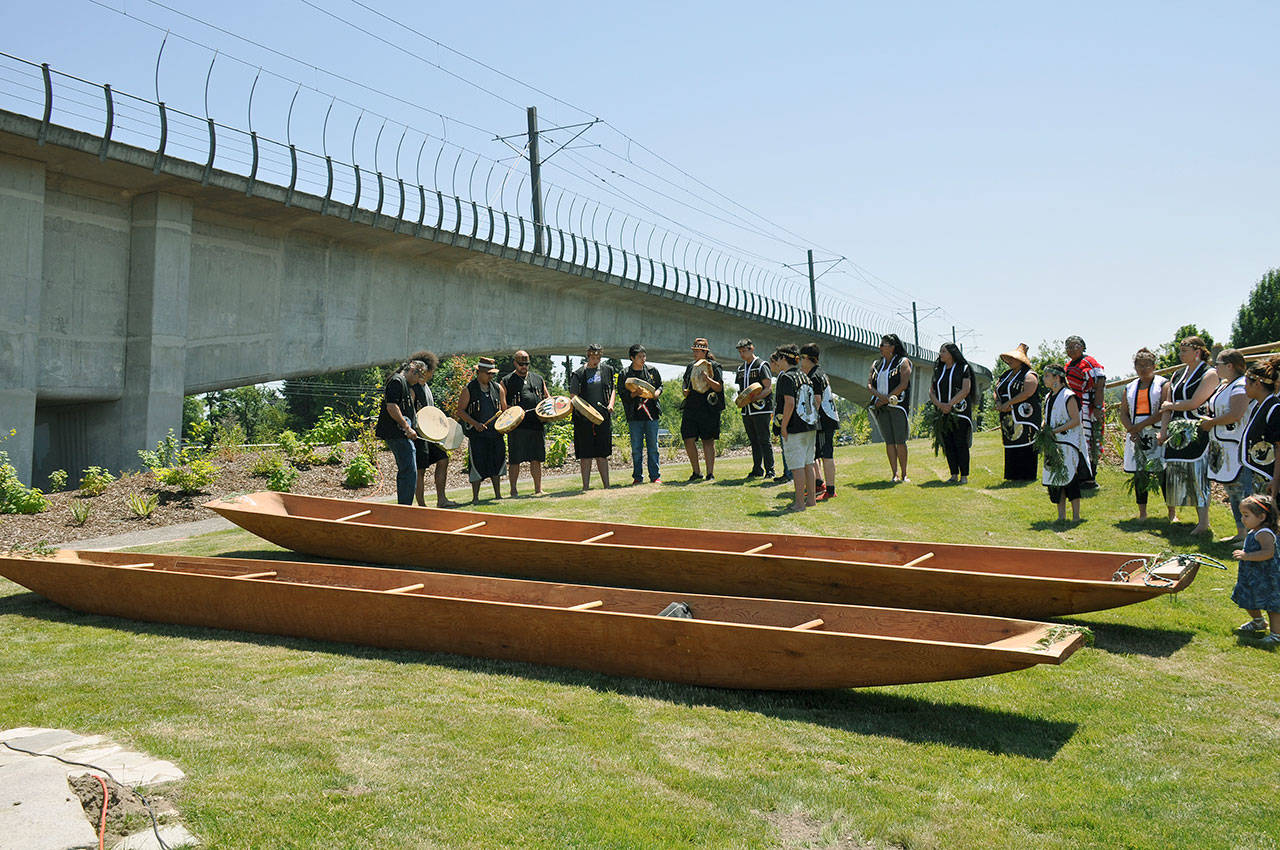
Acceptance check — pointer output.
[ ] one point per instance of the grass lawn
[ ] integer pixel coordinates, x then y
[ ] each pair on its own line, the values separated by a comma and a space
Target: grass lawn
1165, 733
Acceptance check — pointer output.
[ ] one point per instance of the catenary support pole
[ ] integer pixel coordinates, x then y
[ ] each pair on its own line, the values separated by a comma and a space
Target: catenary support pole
535, 180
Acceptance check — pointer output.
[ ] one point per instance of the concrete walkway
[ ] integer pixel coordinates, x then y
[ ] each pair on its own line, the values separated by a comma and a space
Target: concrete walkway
150, 536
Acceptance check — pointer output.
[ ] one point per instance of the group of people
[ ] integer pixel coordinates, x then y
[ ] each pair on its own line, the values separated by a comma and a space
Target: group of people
788, 396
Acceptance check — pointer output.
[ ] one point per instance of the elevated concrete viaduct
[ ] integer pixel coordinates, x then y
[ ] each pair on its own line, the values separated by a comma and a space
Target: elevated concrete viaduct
127, 283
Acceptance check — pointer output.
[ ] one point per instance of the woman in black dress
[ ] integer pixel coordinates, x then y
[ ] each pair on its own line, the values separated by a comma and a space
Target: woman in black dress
1017, 395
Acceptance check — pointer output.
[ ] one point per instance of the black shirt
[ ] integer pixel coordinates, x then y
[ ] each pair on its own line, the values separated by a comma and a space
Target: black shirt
789, 383
712, 399
757, 371
633, 406
396, 392
525, 392
593, 386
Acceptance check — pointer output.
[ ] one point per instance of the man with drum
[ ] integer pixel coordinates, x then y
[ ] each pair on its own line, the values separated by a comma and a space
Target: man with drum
592, 391
526, 443
755, 398
429, 454
703, 387
478, 405
639, 385
395, 425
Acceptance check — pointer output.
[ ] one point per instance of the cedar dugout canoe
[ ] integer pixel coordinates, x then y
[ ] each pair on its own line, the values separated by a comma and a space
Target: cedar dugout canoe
994, 580
730, 643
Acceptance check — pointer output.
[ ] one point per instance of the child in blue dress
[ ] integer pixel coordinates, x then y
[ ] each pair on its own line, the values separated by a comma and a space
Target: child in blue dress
1258, 585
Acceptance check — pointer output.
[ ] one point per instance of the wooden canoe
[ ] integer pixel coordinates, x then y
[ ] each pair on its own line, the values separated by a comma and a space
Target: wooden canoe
996, 580
732, 643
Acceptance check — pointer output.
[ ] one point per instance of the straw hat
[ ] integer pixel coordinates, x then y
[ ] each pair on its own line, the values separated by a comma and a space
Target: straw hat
1019, 354
487, 364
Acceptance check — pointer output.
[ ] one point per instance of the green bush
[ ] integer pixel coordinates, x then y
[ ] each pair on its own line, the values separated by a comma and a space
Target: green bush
360, 472
80, 512
559, 437
95, 481
168, 452
58, 480
329, 430
15, 498
267, 463
188, 478
143, 506
328, 455
283, 479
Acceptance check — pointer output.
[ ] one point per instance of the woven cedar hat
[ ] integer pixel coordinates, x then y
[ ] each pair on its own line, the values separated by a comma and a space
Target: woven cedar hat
1019, 354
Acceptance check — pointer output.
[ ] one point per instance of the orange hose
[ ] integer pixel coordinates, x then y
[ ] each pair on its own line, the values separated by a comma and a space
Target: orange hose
102, 827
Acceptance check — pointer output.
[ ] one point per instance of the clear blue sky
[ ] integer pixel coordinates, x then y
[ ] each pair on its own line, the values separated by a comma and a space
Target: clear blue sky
1107, 169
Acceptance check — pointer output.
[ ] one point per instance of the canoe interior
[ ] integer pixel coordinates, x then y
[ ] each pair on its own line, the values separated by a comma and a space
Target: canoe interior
852, 620
1000, 560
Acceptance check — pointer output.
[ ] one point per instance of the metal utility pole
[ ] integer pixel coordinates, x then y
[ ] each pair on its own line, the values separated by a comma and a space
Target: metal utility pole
915, 322
535, 180
813, 291
953, 334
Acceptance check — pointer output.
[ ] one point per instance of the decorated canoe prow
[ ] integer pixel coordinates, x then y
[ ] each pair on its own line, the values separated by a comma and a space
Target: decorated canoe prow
695, 639
995, 580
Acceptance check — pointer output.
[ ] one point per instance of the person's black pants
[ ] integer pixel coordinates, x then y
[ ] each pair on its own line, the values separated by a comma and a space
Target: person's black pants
757, 427
955, 445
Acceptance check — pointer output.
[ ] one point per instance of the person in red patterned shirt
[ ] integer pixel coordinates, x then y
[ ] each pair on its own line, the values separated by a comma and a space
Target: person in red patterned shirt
1087, 380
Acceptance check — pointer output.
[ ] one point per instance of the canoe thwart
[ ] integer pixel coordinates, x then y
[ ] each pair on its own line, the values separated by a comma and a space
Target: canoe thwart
917, 561
812, 624
267, 574
755, 550
471, 527
406, 589
136, 566
355, 515
586, 606
598, 537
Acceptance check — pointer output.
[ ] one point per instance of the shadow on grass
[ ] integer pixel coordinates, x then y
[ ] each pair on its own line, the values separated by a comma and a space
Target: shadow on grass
939, 482
875, 485
1135, 640
862, 712
1057, 524
1013, 485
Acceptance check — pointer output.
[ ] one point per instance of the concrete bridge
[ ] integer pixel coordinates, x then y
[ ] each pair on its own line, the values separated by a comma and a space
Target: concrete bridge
129, 279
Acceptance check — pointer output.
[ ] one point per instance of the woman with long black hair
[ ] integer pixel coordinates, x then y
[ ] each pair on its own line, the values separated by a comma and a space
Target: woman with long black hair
950, 392
890, 386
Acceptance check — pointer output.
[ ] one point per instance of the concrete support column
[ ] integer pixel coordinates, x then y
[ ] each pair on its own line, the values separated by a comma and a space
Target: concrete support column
21, 276
156, 344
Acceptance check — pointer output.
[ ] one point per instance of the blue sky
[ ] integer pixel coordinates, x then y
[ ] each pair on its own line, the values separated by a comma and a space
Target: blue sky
1107, 169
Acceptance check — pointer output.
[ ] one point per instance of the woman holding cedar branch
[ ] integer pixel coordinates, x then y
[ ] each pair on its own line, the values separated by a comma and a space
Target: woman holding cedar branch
1186, 447
1139, 416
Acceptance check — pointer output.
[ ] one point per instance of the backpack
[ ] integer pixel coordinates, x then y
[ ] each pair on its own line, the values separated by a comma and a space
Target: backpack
805, 407
828, 405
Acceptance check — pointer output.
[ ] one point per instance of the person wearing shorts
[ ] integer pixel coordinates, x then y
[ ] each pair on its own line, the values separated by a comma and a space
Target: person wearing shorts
798, 436
890, 386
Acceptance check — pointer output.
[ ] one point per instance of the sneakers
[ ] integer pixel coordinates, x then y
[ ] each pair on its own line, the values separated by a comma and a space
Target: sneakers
1272, 639
828, 494
635, 481
1255, 625
783, 478
697, 476
656, 481
751, 475
710, 477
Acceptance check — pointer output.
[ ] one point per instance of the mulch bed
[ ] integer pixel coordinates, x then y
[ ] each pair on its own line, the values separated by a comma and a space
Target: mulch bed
109, 513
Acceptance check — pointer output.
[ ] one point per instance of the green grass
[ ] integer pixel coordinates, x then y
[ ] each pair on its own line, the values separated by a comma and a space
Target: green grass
1166, 733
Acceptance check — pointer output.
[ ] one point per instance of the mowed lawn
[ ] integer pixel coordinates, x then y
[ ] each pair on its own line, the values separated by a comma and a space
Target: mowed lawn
1164, 734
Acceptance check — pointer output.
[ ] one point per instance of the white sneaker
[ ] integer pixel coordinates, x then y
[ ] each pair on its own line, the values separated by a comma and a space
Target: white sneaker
1257, 624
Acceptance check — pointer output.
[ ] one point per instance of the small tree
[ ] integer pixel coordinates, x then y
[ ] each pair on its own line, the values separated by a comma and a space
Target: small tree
1169, 351
1258, 321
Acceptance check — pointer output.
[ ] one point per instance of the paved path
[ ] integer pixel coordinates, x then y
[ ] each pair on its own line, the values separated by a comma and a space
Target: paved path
151, 536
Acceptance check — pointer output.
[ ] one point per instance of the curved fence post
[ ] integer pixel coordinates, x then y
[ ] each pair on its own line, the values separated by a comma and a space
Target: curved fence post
355, 202
328, 189
422, 208
400, 212
253, 170
111, 120
48, 105
213, 147
377, 213
164, 138
293, 175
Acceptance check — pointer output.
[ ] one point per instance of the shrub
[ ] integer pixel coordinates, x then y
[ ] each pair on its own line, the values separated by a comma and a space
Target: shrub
329, 430
283, 479
80, 512
188, 478
333, 457
168, 452
360, 472
268, 463
560, 438
143, 506
58, 480
95, 481
15, 498
369, 443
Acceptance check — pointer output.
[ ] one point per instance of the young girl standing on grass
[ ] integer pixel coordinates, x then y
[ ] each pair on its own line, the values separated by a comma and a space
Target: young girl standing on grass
1258, 585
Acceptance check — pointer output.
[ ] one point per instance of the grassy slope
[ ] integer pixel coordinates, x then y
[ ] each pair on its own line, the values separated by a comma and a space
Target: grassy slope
1140, 741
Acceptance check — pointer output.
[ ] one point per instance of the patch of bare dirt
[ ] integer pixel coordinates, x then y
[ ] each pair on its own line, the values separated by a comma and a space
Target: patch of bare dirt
126, 812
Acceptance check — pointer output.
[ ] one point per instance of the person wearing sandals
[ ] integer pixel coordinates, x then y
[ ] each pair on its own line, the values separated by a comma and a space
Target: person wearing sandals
1062, 419
1186, 459
1017, 394
890, 386
1229, 404
1258, 582
950, 391
1139, 416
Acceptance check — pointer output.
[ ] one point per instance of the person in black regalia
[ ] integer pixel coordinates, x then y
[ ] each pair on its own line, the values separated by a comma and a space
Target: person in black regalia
594, 382
478, 406
1017, 394
526, 443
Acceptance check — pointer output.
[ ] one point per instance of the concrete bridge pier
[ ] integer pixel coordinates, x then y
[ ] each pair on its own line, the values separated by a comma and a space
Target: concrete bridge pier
21, 262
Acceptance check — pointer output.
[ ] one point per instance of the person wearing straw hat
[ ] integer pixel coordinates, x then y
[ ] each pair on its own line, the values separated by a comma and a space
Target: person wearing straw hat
642, 412
890, 386
478, 405
524, 388
757, 414
1017, 395
700, 417
1087, 380
429, 454
593, 383
395, 425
